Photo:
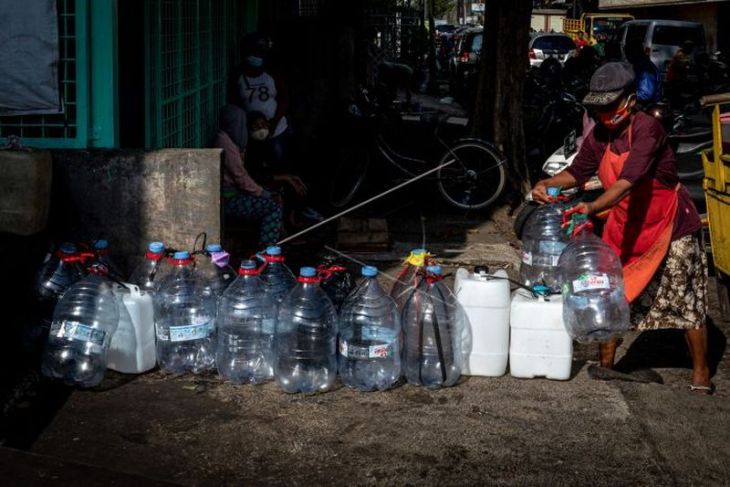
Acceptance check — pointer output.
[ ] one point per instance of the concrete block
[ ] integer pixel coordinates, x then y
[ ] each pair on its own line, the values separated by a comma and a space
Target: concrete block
131, 197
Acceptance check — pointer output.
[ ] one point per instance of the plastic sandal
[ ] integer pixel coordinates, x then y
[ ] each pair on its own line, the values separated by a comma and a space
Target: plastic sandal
707, 390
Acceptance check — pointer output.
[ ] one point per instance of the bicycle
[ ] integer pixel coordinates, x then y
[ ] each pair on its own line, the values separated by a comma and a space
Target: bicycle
469, 174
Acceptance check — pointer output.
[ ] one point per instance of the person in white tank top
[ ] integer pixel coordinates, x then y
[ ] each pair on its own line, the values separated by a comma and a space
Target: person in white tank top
259, 91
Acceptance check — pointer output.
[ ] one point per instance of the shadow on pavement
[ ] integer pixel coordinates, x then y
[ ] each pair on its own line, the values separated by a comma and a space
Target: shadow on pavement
668, 349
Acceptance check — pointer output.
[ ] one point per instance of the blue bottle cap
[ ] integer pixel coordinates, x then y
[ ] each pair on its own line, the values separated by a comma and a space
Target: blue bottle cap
101, 244
434, 269
214, 248
182, 255
273, 250
307, 272
369, 271
553, 192
67, 248
418, 251
156, 247
248, 264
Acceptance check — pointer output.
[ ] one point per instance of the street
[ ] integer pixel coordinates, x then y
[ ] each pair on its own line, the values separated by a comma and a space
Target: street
187, 429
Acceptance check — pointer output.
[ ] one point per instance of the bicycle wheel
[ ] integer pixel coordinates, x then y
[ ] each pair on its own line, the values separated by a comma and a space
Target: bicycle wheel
475, 178
348, 175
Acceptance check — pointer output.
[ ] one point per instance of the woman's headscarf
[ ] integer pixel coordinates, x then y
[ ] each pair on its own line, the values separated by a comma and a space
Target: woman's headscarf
233, 123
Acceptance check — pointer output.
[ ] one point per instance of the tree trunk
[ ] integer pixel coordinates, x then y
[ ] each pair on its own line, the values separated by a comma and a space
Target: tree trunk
498, 108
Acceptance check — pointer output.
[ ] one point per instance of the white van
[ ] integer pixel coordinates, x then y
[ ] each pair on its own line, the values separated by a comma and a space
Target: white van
662, 38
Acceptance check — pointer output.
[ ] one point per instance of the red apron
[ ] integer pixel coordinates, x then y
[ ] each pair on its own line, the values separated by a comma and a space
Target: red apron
639, 227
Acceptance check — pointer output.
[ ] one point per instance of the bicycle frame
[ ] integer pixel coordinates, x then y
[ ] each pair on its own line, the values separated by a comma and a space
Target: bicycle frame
397, 159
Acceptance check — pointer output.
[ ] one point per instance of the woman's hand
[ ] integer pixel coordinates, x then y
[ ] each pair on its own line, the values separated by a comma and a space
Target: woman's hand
584, 207
539, 193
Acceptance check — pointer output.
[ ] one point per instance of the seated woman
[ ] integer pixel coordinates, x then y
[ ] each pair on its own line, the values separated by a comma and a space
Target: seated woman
274, 173
243, 197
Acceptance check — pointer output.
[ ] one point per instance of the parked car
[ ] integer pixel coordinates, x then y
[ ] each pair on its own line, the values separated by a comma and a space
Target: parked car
544, 46
465, 63
662, 38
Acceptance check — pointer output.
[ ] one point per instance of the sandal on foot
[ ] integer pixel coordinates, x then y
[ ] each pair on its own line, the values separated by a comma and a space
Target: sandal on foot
700, 389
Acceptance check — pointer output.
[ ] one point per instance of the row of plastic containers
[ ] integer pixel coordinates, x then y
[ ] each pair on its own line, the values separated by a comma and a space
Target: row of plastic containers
264, 324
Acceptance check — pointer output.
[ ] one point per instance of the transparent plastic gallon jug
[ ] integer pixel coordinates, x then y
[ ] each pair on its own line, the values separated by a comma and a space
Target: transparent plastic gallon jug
542, 243
152, 270
132, 349
277, 277
484, 306
60, 270
185, 310
83, 325
101, 257
432, 337
214, 269
594, 305
246, 325
369, 342
409, 276
306, 338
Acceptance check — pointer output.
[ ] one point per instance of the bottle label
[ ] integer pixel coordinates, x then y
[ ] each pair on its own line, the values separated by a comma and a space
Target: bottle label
589, 282
384, 350
527, 257
268, 326
191, 332
73, 330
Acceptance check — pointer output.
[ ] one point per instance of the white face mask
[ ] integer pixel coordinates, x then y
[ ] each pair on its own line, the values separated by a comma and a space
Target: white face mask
260, 134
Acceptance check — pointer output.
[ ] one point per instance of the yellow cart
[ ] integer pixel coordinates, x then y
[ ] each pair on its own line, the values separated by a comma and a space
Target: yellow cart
716, 164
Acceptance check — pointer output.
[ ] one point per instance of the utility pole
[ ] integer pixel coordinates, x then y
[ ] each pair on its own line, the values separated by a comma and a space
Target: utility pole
432, 69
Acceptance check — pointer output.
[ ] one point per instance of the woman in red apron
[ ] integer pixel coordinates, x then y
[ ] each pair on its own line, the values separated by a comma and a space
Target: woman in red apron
652, 223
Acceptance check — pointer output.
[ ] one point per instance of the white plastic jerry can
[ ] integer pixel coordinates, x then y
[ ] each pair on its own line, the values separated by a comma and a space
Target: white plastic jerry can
132, 349
484, 304
540, 346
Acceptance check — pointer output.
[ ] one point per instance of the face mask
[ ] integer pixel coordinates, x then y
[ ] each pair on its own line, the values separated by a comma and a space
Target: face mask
255, 61
612, 120
260, 134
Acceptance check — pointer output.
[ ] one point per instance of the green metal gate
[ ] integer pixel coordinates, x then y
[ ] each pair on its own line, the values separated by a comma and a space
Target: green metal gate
190, 46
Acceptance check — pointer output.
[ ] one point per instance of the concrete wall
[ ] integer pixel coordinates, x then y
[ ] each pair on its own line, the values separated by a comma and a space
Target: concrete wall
131, 197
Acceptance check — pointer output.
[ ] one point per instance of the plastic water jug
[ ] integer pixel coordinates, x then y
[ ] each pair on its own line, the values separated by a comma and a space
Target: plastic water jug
101, 257
214, 269
595, 307
432, 338
132, 349
246, 325
306, 338
83, 324
60, 270
542, 243
370, 337
337, 281
185, 310
409, 276
484, 300
152, 270
539, 344
277, 277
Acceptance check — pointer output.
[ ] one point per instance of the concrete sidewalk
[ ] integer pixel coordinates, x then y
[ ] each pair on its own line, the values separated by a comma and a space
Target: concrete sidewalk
494, 431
